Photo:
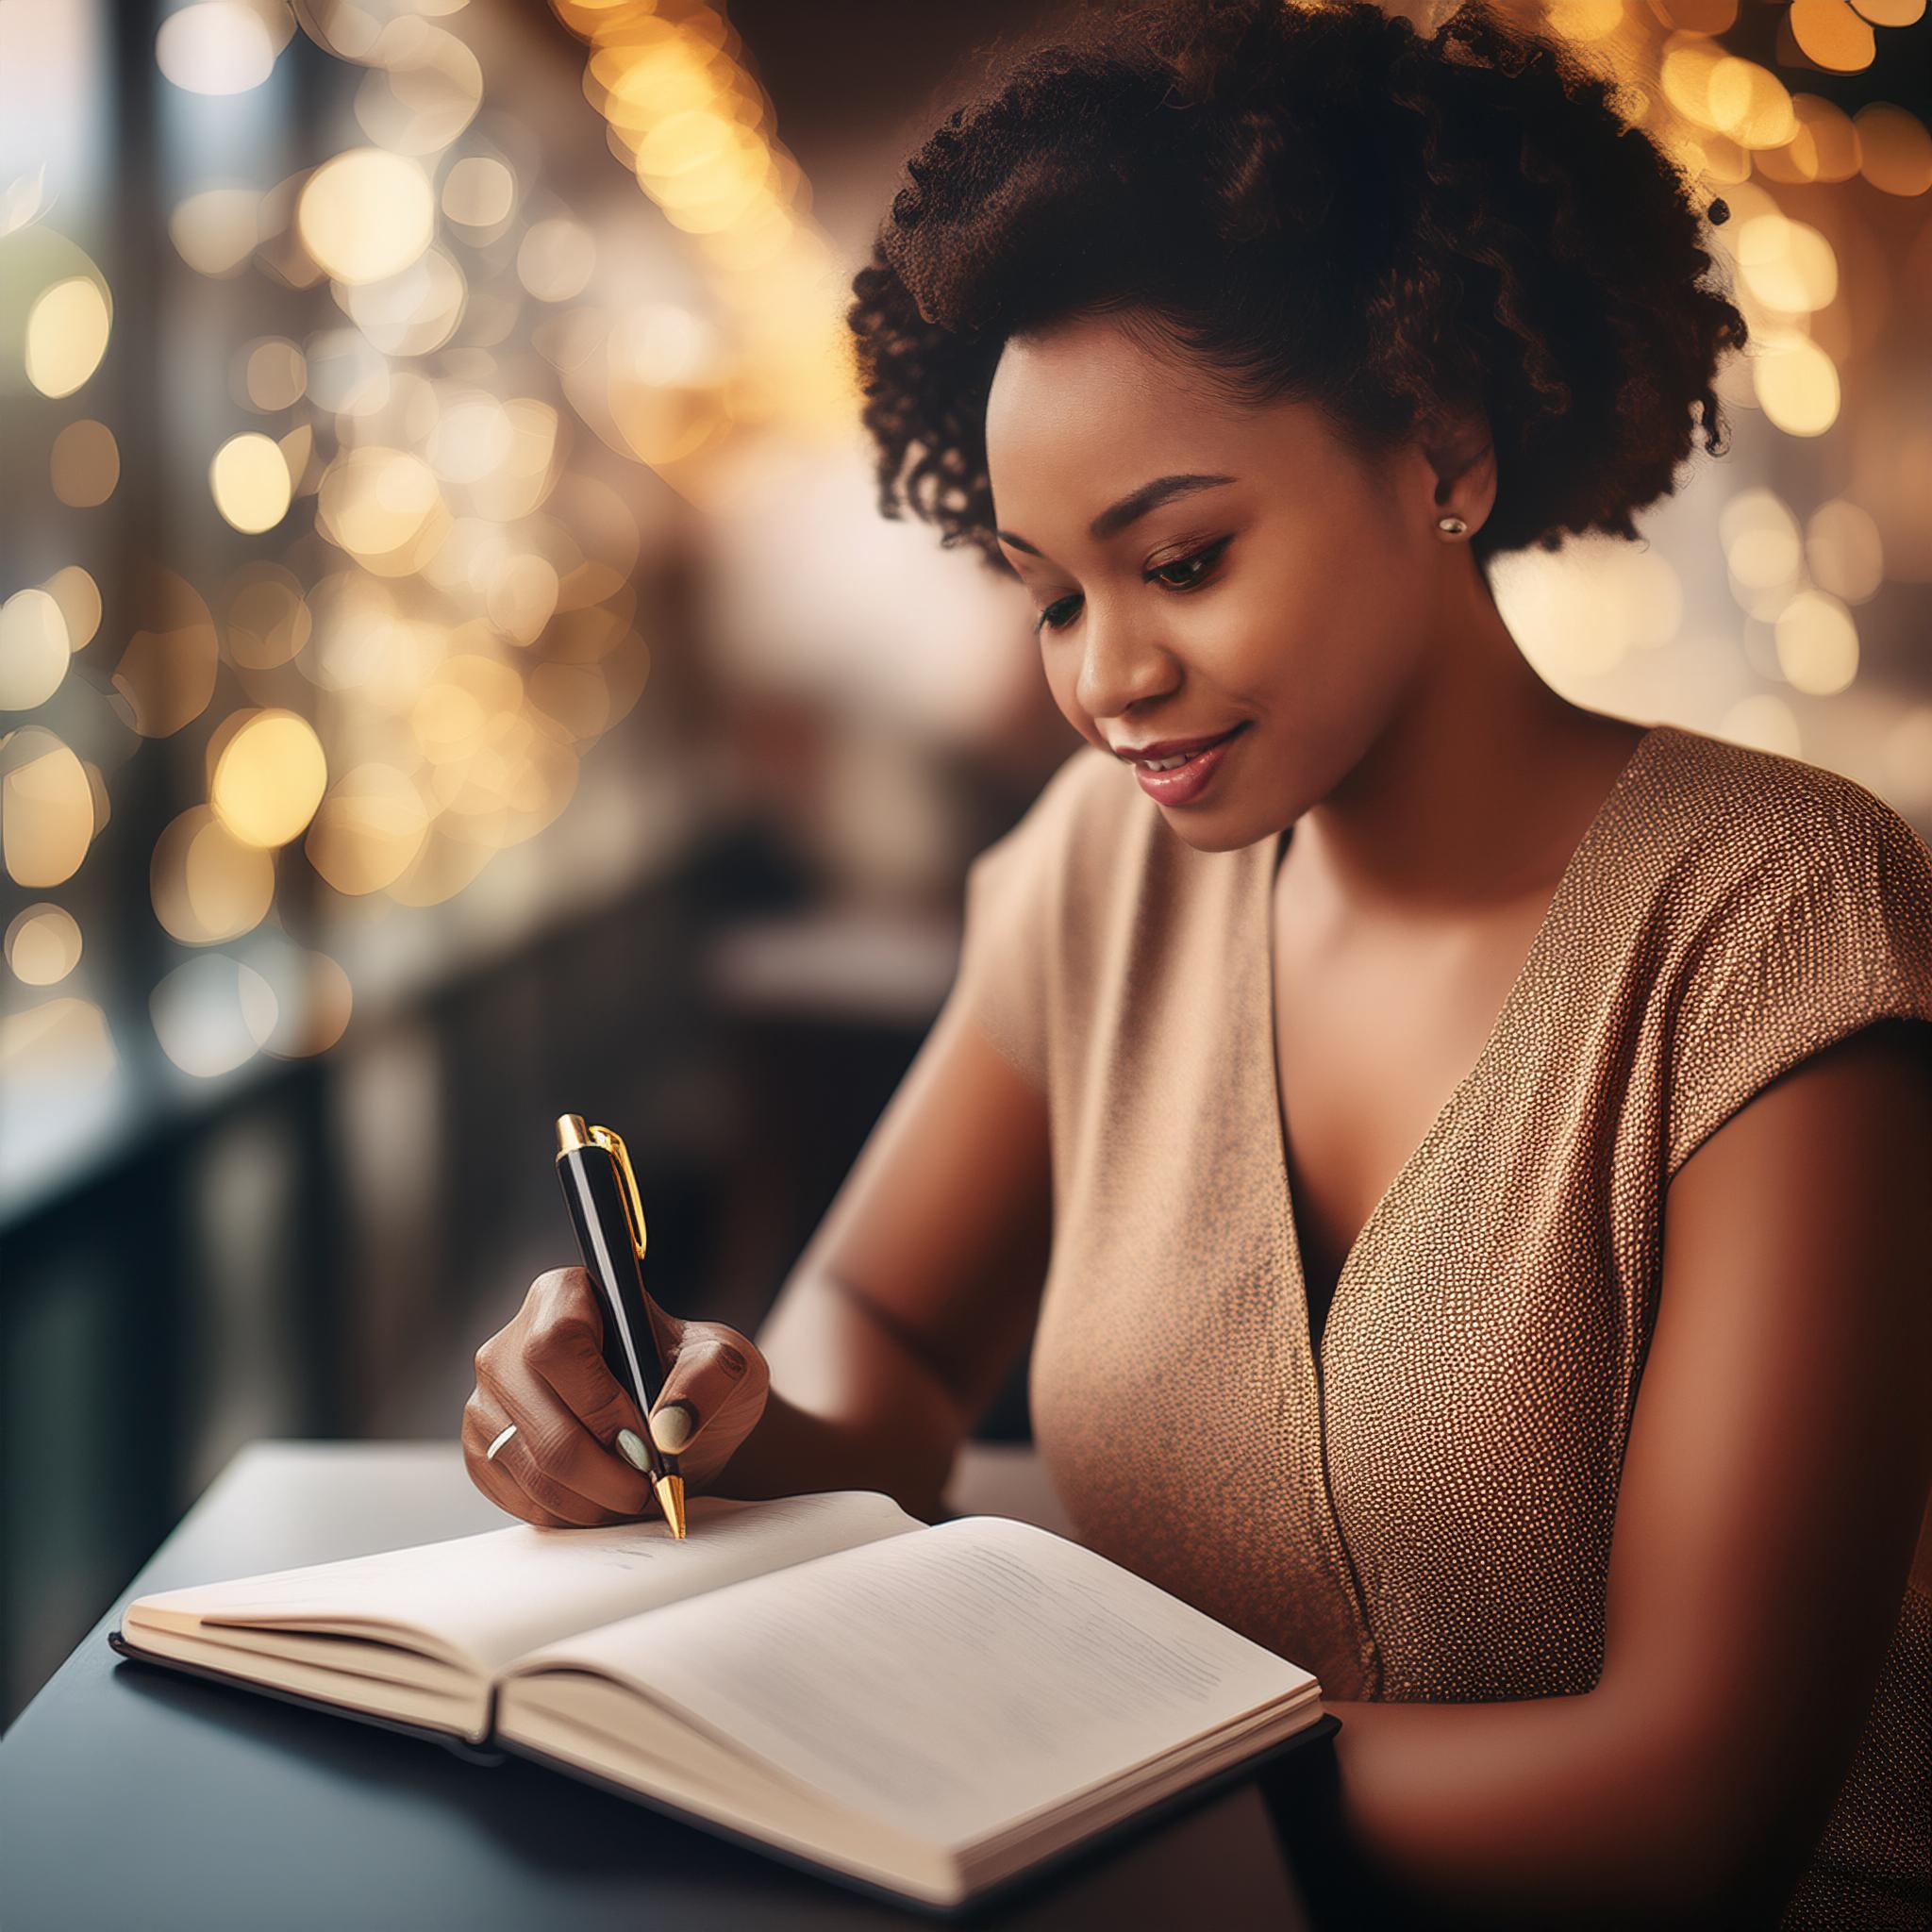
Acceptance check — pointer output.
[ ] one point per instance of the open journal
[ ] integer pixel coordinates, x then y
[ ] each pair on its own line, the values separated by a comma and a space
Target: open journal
926, 1710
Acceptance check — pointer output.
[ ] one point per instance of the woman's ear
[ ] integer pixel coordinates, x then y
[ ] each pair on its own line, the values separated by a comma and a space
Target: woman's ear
1462, 453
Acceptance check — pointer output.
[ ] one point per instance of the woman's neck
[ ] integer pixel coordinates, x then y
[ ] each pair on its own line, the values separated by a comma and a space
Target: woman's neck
1473, 792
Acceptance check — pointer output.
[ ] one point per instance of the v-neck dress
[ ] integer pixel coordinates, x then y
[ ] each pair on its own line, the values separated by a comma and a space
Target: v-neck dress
1420, 1506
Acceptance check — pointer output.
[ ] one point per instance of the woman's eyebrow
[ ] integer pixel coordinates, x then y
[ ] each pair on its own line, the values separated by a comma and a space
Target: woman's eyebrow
1132, 507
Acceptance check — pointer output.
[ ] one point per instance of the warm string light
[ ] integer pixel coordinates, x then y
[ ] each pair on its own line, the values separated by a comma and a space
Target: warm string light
1735, 127
436, 621
686, 115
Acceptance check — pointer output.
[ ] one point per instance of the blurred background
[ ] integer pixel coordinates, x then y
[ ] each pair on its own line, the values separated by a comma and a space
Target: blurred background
453, 670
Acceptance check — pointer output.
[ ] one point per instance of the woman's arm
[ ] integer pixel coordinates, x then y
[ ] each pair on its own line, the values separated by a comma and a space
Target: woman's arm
1772, 1494
918, 1289
914, 1295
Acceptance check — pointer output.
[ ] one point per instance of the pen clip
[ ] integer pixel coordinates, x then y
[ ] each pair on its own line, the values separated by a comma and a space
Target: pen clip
612, 1144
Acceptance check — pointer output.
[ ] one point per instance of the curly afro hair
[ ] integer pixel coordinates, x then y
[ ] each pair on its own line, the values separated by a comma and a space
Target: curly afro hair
1319, 203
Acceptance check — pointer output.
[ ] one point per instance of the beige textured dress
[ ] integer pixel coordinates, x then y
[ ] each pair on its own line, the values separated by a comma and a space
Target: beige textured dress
1421, 1508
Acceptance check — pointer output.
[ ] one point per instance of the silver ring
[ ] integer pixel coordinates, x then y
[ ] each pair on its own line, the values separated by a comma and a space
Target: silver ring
490, 1453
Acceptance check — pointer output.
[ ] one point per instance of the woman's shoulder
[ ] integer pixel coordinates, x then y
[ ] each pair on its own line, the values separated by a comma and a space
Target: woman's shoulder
1797, 910
1751, 832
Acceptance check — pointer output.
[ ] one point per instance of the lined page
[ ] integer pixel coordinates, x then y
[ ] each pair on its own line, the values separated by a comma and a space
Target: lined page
949, 1682
484, 1599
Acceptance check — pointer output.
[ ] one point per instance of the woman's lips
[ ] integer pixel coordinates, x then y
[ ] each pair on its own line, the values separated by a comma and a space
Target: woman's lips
1186, 783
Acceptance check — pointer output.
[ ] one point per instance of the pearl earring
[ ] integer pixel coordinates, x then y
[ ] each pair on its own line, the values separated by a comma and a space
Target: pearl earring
1452, 526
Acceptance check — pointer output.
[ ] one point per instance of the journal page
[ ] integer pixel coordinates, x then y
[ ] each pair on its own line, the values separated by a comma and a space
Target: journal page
480, 1601
946, 1683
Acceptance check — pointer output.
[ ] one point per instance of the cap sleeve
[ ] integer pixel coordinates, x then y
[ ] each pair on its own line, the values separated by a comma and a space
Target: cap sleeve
1002, 955
1017, 890
1821, 939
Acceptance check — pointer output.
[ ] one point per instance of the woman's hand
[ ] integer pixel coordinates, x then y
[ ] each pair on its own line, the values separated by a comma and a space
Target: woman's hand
577, 1458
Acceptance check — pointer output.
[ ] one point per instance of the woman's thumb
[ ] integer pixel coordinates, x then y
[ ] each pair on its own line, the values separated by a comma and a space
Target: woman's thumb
713, 1364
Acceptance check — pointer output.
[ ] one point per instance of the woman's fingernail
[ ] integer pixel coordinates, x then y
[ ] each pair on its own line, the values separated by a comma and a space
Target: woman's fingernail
633, 1446
671, 1425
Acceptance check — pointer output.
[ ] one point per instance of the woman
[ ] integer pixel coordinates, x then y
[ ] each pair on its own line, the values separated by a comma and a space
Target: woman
1474, 1146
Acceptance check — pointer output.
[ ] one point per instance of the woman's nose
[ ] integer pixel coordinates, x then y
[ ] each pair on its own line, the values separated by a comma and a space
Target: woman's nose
1121, 664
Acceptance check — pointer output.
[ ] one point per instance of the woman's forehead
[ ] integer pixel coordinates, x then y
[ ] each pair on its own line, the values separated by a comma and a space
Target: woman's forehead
1063, 368
1074, 422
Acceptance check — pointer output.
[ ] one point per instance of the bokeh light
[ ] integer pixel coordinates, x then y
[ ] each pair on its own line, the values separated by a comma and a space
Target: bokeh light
35, 644
275, 374
383, 507
1894, 148
166, 676
270, 773
79, 598
67, 333
1797, 383
369, 829
422, 89
86, 464
217, 46
216, 230
206, 884
42, 945
212, 1015
312, 995
411, 313
46, 809
1817, 643
556, 258
265, 619
479, 192
366, 214
61, 1045
1844, 550
250, 481
1832, 34
1787, 265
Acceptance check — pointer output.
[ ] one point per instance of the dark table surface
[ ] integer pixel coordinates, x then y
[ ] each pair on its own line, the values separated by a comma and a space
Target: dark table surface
138, 1797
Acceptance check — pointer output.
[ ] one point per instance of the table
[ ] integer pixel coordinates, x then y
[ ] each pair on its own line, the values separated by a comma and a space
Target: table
136, 1796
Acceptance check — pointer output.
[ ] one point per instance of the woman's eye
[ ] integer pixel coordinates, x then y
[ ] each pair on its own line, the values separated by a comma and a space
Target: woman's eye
1205, 559
1201, 562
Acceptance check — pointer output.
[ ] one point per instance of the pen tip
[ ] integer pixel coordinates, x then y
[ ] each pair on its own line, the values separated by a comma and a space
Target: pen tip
671, 1500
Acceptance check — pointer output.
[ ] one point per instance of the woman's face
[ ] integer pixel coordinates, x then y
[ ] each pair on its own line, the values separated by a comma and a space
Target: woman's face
1295, 599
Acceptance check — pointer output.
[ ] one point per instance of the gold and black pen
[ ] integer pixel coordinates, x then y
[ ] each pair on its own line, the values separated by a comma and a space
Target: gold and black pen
602, 1194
